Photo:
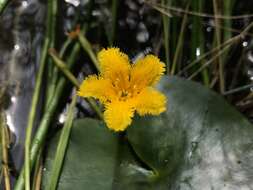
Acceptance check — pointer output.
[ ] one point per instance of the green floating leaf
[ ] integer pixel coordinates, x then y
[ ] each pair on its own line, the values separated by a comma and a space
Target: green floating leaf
201, 142
90, 159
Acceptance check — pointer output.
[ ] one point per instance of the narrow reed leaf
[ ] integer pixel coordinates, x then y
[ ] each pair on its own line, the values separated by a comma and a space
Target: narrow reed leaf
32, 114
87, 47
62, 145
4, 145
217, 42
46, 119
166, 29
197, 38
179, 42
63, 67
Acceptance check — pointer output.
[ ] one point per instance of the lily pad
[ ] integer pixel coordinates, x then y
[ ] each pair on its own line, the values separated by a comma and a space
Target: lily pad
200, 142
90, 159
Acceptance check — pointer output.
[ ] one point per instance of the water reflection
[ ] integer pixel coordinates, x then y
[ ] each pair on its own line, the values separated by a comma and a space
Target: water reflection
73, 2
142, 33
21, 35
245, 44
198, 52
10, 123
24, 4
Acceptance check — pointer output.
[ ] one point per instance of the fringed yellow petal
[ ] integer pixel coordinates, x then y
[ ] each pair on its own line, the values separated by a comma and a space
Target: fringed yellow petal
118, 115
150, 101
123, 88
147, 71
114, 65
97, 87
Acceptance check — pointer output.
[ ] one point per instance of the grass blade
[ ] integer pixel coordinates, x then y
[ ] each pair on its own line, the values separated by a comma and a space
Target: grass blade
197, 38
46, 119
166, 29
62, 146
217, 42
179, 42
5, 145
87, 47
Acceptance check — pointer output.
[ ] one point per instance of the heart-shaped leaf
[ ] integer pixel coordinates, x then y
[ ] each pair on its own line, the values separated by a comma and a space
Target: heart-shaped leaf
90, 159
201, 142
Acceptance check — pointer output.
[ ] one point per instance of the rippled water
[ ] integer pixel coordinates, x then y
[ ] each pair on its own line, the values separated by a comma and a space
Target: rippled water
21, 28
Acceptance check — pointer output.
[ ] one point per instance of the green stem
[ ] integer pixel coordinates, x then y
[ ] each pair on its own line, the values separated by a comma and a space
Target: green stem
35, 98
217, 48
166, 28
53, 22
175, 32
87, 47
179, 43
62, 145
197, 38
239, 89
225, 47
3, 4
52, 9
32, 114
192, 13
37, 171
62, 66
209, 62
218, 42
53, 82
39, 178
65, 47
4, 137
227, 34
46, 119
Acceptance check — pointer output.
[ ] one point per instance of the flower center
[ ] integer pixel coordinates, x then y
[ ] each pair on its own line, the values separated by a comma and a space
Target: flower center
125, 88
124, 95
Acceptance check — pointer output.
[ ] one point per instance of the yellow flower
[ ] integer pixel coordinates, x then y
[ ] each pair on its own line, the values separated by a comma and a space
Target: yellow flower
124, 88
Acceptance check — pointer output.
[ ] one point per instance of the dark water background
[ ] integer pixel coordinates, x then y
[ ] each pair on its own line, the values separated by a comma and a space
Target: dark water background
21, 29
139, 31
